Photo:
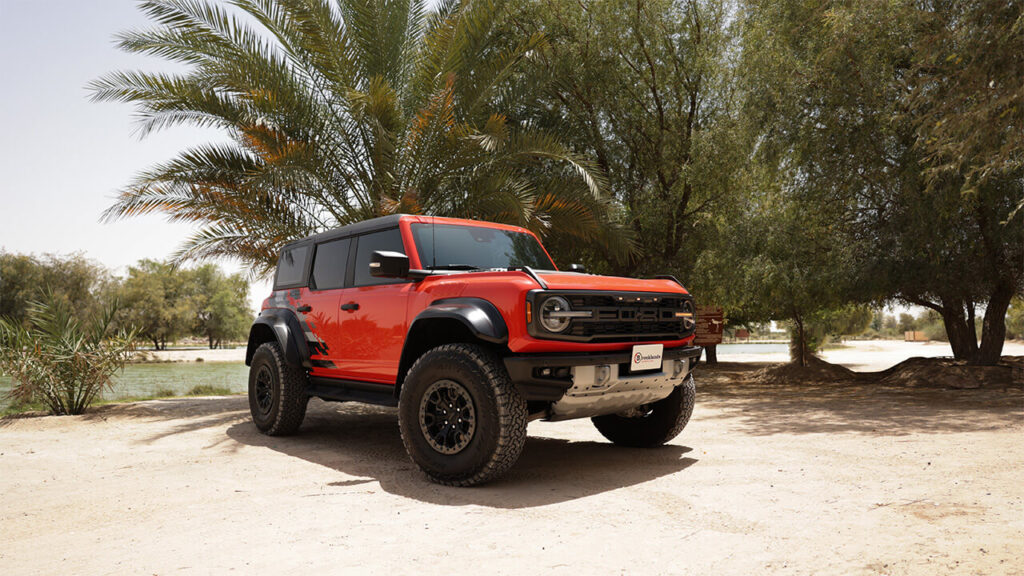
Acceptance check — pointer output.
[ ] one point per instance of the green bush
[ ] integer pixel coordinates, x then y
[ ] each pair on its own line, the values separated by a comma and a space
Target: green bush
209, 390
55, 359
1015, 318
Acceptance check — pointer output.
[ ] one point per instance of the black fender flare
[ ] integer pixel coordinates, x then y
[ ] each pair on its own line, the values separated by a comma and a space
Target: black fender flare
288, 332
480, 317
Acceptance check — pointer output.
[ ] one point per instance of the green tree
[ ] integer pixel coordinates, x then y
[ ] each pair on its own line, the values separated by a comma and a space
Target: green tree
342, 111
1015, 319
907, 322
222, 305
82, 283
841, 91
967, 98
782, 263
158, 299
645, 88
59, 360
852, 320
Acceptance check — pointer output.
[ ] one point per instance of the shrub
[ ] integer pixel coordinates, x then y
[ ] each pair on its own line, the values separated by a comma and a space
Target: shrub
209, 390
55, 359
1015, 318
936, 331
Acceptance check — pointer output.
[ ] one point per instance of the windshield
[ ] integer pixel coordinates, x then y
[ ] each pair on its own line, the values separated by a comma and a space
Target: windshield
469, 247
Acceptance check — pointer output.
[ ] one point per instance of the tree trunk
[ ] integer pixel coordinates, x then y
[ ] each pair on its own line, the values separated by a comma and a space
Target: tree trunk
958, 319
799, 354
211, 342
993, 330
711, 354
962, 338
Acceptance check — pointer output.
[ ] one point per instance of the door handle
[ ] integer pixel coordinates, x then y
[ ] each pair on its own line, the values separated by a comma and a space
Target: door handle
304, 308
350, 307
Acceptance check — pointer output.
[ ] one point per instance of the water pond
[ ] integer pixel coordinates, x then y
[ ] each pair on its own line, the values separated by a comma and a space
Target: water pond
148, 379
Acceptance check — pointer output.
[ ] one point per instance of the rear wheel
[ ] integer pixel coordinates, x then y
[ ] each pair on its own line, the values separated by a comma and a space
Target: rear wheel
277, 392
651, 424
462, 421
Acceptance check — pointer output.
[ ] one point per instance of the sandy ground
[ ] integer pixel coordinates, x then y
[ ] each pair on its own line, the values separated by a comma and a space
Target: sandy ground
871, 355
795, 480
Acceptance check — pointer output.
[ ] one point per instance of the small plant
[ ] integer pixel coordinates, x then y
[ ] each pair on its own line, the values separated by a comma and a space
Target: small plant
55, 359
209, 390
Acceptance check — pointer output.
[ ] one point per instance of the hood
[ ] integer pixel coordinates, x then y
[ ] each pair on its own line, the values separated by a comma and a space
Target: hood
577, 281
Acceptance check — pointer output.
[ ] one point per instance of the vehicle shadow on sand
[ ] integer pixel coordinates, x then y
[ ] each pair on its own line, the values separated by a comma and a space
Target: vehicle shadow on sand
364, 441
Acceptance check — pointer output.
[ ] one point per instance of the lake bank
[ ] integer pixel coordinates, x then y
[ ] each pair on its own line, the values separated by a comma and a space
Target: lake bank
138, 381
219, 355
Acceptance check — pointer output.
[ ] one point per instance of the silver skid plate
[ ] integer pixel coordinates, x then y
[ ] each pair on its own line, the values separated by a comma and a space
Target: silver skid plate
599, 390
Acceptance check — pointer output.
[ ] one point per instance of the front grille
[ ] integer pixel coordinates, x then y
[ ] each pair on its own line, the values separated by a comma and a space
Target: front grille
623, 317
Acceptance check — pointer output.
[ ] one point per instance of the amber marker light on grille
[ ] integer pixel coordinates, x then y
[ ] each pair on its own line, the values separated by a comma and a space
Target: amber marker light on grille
529, 312
684, 314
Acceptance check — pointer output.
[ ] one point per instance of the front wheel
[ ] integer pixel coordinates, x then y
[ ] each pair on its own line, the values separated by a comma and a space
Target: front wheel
462, 421
652, 424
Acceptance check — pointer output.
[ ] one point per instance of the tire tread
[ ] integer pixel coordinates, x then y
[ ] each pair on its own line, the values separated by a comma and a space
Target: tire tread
510, 405
669, 418
292, 387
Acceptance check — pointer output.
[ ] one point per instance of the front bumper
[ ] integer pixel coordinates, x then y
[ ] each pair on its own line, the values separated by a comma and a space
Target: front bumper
547, 377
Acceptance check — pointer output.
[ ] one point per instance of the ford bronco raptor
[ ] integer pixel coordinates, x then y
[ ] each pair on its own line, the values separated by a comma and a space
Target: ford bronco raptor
471, 331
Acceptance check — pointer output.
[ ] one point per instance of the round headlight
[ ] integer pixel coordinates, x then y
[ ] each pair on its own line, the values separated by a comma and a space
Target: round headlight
551, 321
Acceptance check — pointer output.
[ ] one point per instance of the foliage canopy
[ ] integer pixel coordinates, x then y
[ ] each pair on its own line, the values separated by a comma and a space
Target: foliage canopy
342, 111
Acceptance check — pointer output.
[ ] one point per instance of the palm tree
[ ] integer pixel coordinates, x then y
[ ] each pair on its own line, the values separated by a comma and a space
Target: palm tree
344, 110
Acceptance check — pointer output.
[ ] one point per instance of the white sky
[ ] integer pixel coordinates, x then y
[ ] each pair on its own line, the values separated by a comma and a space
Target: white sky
62, 157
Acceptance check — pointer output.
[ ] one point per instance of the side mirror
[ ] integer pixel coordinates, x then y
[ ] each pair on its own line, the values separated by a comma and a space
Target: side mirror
577, 268
389, 265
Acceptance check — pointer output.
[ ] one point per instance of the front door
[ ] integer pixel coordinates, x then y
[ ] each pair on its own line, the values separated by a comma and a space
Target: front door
319, 308
373, 314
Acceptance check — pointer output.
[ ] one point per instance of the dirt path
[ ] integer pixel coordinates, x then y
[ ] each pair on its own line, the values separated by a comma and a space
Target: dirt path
845, 480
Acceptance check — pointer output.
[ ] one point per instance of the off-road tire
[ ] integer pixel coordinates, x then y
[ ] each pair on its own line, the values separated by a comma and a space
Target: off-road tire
499, 412
665, 421
287, 391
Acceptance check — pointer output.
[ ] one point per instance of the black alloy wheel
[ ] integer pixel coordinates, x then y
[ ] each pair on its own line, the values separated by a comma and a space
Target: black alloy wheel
447, 417
264, 390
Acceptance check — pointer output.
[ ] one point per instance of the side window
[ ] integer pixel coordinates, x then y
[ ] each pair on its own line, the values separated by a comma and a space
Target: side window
387, 240
291, 267
329, 264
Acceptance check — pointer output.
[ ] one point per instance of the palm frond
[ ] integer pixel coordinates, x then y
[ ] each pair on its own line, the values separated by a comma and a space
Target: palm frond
340, 111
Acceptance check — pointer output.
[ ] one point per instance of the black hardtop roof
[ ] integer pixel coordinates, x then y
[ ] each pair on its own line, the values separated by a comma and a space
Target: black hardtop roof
371, 225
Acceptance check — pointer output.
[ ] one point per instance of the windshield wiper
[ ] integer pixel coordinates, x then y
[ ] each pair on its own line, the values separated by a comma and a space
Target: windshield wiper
456, 267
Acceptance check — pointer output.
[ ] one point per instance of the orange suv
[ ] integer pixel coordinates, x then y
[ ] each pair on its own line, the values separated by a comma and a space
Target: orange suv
471, 331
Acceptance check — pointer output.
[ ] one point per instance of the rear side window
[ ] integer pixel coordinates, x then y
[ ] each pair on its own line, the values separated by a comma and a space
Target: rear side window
386, 240
329, 264
291, 267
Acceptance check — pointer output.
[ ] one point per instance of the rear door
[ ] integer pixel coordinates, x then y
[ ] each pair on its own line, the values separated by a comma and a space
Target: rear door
373, 313
320, 306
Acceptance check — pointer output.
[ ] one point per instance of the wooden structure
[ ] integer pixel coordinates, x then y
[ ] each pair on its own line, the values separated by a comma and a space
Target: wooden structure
710, 322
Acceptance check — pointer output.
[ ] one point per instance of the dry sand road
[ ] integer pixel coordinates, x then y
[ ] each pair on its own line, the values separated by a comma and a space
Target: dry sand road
853, 479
